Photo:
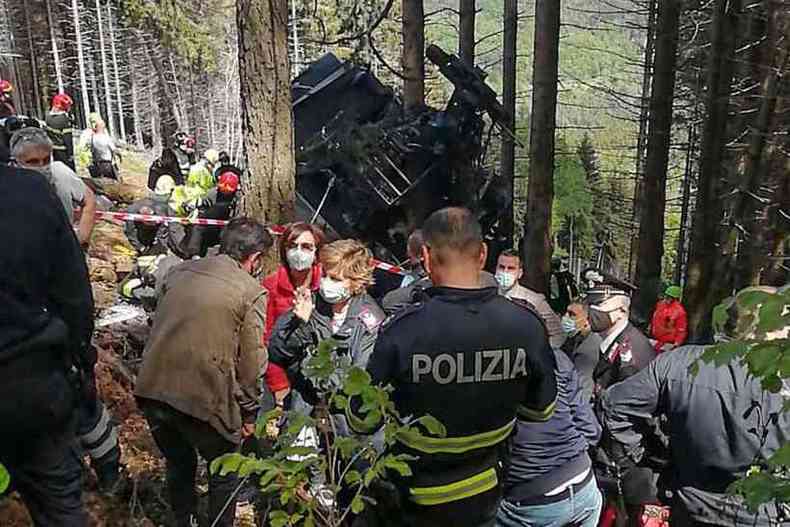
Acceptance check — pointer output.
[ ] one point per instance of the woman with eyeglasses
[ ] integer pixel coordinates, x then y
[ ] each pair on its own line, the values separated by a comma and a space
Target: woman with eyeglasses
299, 270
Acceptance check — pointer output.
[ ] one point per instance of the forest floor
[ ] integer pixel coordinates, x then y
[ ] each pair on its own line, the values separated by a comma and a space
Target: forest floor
143, 502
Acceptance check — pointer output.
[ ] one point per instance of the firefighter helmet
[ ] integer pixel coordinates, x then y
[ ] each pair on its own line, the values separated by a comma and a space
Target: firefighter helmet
228, 182
62, 101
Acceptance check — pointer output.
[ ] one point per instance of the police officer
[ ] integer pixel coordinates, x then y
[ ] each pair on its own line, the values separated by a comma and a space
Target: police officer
473, 360
624, 350
46, 321
60, 129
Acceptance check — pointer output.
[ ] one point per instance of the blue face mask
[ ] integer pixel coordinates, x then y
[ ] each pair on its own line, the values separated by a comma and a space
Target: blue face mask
505, 280
569, 326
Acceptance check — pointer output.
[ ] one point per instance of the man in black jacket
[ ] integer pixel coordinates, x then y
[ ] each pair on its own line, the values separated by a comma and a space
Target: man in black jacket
473, 360
721, 421
624, 350
46, 321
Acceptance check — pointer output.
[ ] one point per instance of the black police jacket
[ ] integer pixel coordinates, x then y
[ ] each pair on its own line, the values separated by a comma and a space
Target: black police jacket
292, 338
720, 422
629, 353
473, 360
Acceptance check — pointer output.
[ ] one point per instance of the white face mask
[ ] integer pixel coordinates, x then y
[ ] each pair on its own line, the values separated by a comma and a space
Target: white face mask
299, 260
505, 280
333, 291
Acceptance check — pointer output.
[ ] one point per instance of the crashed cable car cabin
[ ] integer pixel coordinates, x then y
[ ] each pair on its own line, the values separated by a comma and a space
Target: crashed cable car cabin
369, 169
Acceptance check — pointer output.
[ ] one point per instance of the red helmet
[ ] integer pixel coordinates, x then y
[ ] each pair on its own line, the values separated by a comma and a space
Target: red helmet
6, 87
228, 183
62, 101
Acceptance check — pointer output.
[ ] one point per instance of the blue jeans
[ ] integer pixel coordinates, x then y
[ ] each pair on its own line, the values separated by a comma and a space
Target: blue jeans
582, 509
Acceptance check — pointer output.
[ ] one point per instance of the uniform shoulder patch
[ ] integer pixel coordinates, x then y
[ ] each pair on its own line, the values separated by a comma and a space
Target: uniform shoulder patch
370, 319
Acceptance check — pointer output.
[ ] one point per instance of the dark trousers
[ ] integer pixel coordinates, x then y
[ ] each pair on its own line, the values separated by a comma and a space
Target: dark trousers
46, 470
64, 157
105, 169
99, 438
181, 438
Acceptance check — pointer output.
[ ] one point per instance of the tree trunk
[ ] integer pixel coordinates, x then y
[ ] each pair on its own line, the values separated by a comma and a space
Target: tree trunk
508, 156
137, 122
700, 293
55, 54
651, 222
94, 82
413, 57
641, 140
466, 31
121, 124
537, 242
33, 61
105, 71
752, 253
75, 12
166, 103
267, 116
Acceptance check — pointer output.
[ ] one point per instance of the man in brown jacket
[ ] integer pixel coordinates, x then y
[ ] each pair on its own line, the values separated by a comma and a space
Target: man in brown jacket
199, 383
509, 271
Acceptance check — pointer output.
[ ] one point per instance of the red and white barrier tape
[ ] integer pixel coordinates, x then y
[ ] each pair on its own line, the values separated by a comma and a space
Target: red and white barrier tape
150, 218
274, 229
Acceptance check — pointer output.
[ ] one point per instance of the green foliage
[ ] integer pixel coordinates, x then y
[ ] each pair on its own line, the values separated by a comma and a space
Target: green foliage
186, 29
753, 320
5, 479
348, 465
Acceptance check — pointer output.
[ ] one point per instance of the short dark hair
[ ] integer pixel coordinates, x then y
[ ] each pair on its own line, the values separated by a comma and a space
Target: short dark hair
510, 253
243, 237
452, 229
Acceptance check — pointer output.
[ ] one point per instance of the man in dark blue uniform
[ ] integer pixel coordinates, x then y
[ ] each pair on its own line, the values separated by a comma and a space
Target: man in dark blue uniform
46, 321
473, 360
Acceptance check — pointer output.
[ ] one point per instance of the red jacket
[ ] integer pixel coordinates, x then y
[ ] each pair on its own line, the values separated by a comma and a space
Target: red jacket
670, 324
281, 300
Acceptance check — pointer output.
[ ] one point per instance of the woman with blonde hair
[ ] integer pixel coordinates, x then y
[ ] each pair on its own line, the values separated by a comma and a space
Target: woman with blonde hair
341, 310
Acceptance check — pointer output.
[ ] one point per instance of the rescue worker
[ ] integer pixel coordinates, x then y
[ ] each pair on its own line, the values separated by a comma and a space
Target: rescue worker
46, 321
624, 349
184, 149
60, 128
32, 148
201, 174
721, 422
469, 358
217, 341
103, 152
342, 310
6, 103
509, 272
669, 325
583, 345
550, 479
142, 235
219, 203
165, 165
